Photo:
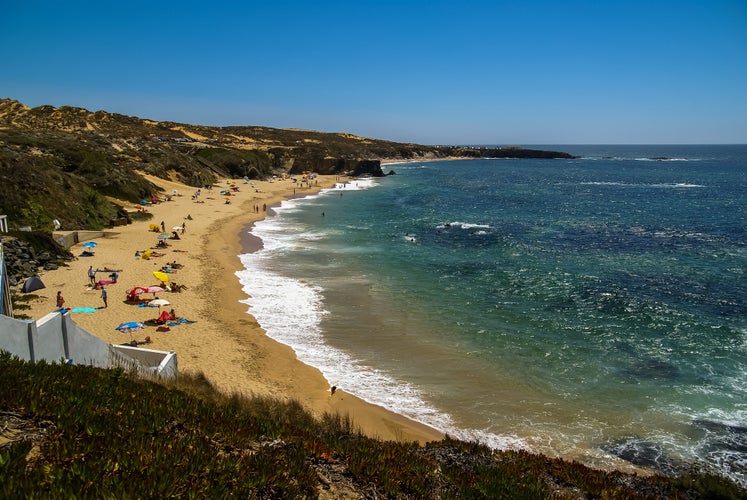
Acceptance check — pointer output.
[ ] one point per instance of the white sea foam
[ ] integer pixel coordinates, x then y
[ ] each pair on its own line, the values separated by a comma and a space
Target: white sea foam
665, 185
354, 185
628, 158
291, 312
463, 225
663, 159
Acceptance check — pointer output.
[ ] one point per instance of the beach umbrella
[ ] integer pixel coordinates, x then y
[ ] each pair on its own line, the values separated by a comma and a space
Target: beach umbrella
164, 236
137, 290
89, 244
163, 277
154, 289
159, 303
130, 326
177, 228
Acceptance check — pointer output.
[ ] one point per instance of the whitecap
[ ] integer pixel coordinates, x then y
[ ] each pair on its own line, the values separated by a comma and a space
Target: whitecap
463, 225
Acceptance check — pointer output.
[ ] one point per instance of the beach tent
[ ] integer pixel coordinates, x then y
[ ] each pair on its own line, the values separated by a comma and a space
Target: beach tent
32, 284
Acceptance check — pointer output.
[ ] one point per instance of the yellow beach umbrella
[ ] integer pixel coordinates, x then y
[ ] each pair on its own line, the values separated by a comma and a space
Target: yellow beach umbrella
161, 276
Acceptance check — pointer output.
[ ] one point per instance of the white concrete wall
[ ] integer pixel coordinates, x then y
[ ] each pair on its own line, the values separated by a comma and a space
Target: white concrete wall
57, 338
153, 362
14, 337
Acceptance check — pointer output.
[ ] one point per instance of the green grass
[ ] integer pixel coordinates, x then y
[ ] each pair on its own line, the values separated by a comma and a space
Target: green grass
91, 433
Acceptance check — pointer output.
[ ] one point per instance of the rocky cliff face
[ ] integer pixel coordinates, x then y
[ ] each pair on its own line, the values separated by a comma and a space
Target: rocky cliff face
66, 163
332, 166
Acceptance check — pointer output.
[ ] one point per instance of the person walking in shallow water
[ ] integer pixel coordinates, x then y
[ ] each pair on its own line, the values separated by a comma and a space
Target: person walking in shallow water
103, 296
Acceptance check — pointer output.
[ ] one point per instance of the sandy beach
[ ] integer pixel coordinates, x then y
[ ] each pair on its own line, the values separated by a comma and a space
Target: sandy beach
224, 342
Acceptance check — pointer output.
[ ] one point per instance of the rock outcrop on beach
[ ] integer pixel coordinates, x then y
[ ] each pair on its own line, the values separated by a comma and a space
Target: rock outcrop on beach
66, 163
26, 257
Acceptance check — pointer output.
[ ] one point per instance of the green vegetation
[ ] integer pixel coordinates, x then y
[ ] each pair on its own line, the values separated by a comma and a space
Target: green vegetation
61, 163
238, 162
77, 431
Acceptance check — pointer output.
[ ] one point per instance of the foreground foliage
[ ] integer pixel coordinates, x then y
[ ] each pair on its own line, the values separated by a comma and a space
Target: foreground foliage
76, 431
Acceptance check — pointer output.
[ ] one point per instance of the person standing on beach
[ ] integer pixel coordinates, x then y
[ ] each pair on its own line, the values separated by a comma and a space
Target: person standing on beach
92, 275
103, 296
60, 300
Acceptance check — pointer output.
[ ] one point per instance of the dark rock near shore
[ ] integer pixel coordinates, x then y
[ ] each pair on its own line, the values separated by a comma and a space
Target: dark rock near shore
24, 258
333, 166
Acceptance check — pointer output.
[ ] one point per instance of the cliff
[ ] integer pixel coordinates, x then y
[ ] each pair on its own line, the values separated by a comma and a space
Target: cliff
63, 163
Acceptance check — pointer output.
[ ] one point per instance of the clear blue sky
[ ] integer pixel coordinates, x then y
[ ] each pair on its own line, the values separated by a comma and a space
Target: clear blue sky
432, 72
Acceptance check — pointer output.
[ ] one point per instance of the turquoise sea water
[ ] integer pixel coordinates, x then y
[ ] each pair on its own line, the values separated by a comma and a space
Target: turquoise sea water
593, 309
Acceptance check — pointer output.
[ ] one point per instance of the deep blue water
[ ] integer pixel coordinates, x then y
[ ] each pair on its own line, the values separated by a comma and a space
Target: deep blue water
594, 308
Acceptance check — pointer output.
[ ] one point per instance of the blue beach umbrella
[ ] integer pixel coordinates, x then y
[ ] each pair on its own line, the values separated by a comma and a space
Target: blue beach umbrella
89, 244
130, 327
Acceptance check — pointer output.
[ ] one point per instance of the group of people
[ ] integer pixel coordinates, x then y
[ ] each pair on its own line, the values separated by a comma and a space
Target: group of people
114, 274
101, 285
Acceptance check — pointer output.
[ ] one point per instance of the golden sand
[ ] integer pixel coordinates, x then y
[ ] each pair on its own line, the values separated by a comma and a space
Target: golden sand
225, 342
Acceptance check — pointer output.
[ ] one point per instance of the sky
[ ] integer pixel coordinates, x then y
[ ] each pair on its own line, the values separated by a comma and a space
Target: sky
429, 72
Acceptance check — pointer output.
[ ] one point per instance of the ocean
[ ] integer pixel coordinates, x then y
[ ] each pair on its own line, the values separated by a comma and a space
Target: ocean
593, 309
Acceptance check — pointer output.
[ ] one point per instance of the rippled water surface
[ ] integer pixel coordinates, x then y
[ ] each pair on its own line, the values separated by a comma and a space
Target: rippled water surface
593, 308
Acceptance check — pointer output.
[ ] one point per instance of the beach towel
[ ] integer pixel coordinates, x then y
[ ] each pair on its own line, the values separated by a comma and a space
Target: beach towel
83, 309
180, 321
105, 282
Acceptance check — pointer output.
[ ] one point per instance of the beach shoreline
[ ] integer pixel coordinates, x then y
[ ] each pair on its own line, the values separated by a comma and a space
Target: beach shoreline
225, 343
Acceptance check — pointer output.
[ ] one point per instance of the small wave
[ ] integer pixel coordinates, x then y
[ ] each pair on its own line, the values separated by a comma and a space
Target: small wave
679, 185
353, 185
630, 158
662, 185
664, 158
463, 225
603, 183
